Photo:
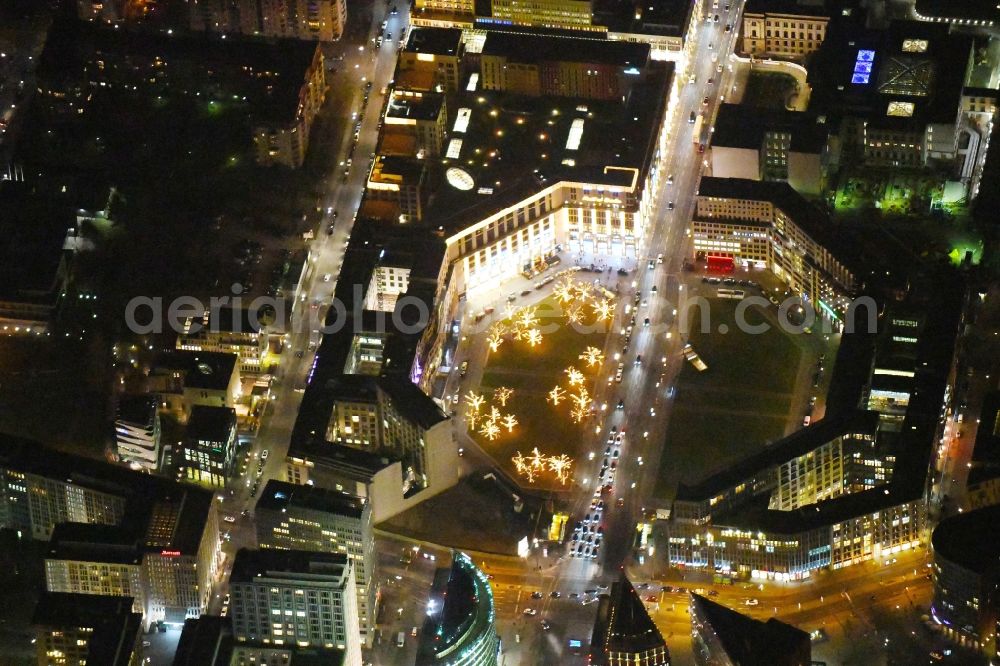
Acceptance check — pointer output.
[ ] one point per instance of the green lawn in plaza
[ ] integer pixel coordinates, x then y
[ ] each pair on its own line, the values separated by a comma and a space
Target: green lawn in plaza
532, 373
737, 405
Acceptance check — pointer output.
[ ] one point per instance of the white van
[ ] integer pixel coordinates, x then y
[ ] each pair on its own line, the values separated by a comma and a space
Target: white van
401, 639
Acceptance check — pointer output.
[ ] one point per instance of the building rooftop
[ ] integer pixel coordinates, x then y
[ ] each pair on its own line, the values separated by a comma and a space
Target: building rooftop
668, 18
970, 10
280, 496
84, 542
735, 127
622, 624
533, 48
904, 77
512, 147
436, 41
205, 641
250, 564
353, 463
115, 628
750, 642
268, 73
200, 369
960, 540
797, 444
211, 424
986, 453
460, 610
794, 7
32, 239
421, 106
810, 219
137, 409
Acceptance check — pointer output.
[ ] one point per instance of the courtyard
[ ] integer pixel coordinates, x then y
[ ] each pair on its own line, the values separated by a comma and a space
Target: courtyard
742, 401
537, 389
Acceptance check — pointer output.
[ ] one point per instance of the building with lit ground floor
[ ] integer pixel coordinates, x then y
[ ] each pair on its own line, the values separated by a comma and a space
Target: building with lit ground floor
842, 490
721, 636
966, 577
80, 629
763, 224
624, 634
460, 627
306, 517
111, 530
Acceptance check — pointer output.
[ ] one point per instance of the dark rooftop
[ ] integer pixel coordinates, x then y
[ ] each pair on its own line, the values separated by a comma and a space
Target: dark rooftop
668, 18
252, 563
87, 542
970, 10
32, 235
986, 454
426, 106
211, 424
622, 624
523, 47
968, 540
737, 127
460, 609
750, 642
205, 641
115, 627
201, 369
269, 73
280, 495
796, 7
911, 62
138, 409
438, 41
530, 151
353, 462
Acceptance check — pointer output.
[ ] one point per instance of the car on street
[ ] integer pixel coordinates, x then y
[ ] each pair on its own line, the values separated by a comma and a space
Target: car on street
463, 368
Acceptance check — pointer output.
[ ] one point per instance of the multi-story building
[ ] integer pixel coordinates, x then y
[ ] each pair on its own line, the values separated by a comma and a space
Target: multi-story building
396, 190
460, 627
229, 331
983, 483
768, 225
570, 14
788, 29
390, 416
205, 641
721, 636
77, 629
430, 60
415, 124
771, 145
294, 597
282, 82
624, 633
894, 377
966, 576
208, 453
40, 489
321, 20
137, 432
35, 260
303, 517
182, 380
560, 67
895, 96
838, 492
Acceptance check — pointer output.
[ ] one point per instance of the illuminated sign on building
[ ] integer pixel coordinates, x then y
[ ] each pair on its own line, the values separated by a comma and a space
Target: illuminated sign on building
863, 66
170, 553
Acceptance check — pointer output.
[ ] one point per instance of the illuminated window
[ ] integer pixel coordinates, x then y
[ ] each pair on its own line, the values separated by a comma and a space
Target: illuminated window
863, 66
903, 109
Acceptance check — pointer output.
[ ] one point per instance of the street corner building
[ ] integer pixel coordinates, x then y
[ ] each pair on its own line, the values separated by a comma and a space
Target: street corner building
624, 634
460, 627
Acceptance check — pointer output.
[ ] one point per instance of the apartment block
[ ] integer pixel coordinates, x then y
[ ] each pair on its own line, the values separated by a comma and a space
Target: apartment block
303, 517
788, 29
302, 598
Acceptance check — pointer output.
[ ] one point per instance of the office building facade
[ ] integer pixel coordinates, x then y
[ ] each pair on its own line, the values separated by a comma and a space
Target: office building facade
208, 454
137, 432
302, 517
295, 598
